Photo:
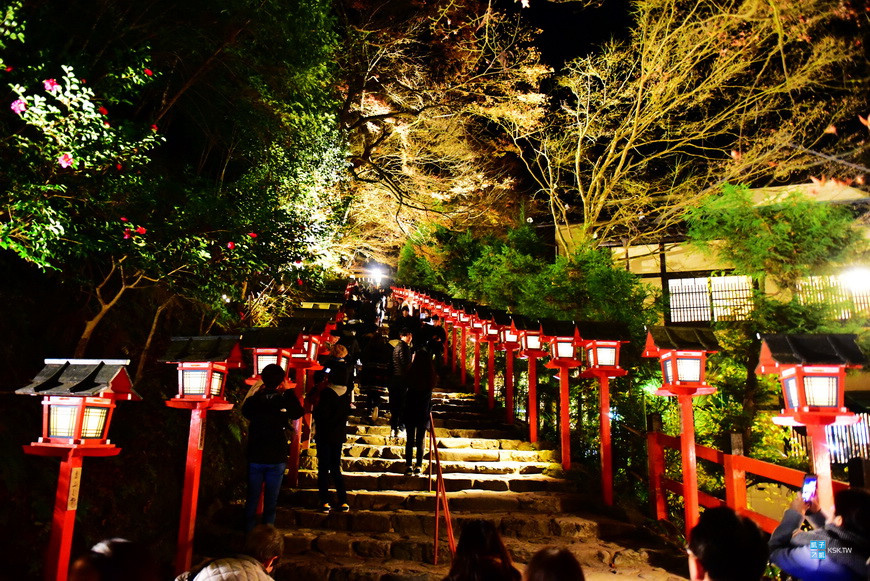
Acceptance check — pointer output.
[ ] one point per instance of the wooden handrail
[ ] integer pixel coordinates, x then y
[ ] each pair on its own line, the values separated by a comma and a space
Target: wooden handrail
735, 468
440, 493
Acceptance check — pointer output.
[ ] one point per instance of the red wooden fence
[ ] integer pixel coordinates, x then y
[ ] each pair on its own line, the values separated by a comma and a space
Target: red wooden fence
735, 466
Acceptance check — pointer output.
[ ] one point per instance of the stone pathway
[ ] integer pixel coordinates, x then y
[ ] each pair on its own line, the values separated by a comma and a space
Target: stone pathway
490, 472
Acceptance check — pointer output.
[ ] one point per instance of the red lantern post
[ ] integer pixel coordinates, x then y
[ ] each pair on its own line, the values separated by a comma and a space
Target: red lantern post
78, 398
602, 362
491, 335
564, 339
203, 364
682, 352
303, 358
531, 339
509, 339
812, 370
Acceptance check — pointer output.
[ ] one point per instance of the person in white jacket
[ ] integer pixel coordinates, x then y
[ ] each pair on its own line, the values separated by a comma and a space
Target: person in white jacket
263, 547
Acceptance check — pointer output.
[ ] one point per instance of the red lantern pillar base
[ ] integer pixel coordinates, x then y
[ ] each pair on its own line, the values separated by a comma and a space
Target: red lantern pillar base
690, 474
605, 441
509, 386
533, 399
65, 502
477, 365
190, 492
564, 421
490, 373
822, 466
463, 372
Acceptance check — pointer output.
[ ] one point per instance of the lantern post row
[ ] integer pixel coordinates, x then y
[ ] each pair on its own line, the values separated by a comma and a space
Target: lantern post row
78, 399
812, 371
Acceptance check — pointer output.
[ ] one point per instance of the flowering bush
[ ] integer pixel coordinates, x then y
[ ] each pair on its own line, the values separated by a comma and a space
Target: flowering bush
71, 127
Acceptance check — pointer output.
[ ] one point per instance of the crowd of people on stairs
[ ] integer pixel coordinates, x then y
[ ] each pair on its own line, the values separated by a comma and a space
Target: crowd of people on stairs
381, 343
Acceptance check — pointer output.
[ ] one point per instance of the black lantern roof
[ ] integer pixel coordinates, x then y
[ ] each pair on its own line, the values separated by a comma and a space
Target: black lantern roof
269, 337
502, 318
554, 328
209, 348
603, 331
523, 323
817, 349
83, 378
683, 339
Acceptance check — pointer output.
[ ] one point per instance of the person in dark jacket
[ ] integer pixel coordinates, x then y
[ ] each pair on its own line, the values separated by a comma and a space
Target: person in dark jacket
401, 362
331, 410
421, 380
269, 410
836, 550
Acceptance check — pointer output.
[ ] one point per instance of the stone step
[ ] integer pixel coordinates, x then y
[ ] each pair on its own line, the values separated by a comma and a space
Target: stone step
460, 450
477, 501
338, 557
453, 482
552, 528
448, 432
396, 464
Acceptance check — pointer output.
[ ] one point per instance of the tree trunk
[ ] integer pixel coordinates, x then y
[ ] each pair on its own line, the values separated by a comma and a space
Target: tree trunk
143, 357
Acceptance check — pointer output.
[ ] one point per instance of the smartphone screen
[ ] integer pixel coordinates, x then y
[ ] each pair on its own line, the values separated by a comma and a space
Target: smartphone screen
808, 492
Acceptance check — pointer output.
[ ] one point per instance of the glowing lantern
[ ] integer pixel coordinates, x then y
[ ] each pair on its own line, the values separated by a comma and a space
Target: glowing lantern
78, 398
812, 371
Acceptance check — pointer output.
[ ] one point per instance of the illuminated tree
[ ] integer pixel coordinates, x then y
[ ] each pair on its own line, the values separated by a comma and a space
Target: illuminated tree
702, 93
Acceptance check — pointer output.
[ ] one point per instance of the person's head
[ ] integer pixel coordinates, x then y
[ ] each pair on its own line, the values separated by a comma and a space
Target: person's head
405, 335
718, 537
852, 511
479, 543
554, 564
436, 320
114, 560
272, 375
265, 543
339, 351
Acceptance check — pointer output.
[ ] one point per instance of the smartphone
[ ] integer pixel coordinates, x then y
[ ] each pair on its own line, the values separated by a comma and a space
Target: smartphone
808, 491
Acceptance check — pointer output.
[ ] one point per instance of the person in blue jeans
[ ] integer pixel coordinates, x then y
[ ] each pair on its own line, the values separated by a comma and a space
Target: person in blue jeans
270, 409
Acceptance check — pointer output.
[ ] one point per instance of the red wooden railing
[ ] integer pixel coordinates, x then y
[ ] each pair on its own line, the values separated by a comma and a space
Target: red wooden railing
440, 493
735, 466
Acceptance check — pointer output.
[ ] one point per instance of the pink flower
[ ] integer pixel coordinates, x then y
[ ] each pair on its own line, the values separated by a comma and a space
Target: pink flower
252, 234
299, 282
106, 124
127, 234
153, 128
148, 72
8, 69
65, 160
119, 167
123, 219
231, 245
141, 230
19, 106
50, 85
103, 111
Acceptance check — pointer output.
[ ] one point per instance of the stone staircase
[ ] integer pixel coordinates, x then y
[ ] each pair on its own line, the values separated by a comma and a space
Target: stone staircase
490, 472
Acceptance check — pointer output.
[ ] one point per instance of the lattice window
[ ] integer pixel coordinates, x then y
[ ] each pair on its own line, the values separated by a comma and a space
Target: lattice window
720, 298
832, 290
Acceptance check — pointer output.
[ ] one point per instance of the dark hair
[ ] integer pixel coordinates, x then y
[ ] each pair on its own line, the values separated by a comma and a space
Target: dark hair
728, 546
421, 373
481, 555
115, 560
264, 542
554, 564
853, 504
272, 375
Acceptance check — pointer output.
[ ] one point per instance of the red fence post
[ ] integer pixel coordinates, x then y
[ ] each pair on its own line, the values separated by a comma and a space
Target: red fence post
690, 462
509, 385
656, 458
477, 365
735, 476
490, 373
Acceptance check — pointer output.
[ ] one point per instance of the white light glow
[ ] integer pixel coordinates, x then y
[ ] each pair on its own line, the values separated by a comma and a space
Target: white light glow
856, 279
